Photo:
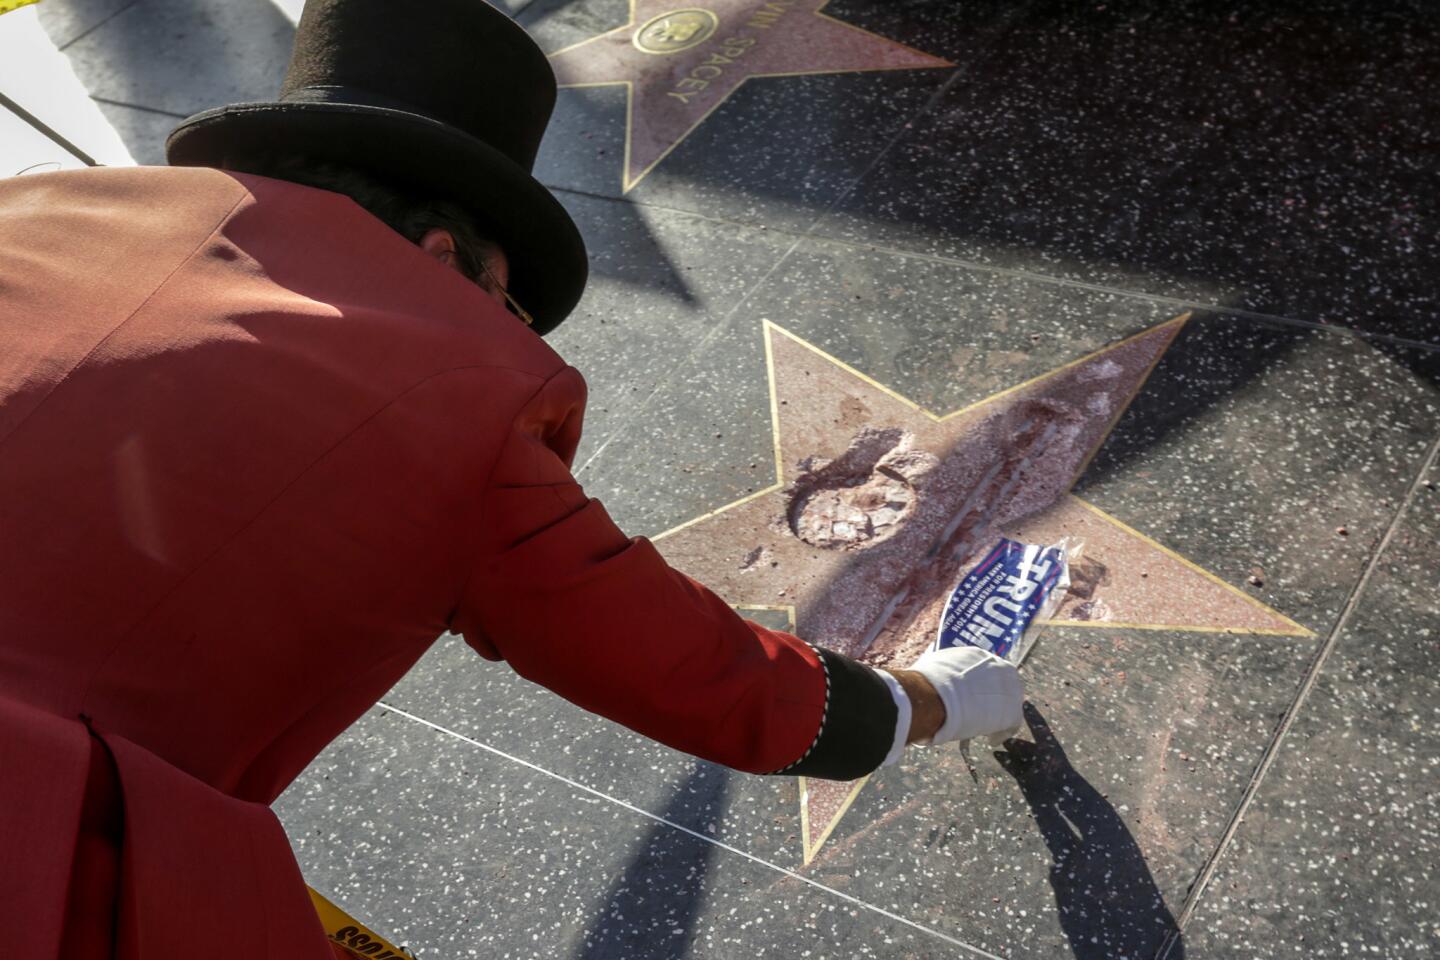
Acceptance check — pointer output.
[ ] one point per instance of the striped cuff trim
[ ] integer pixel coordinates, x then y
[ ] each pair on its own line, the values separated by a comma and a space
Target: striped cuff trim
857, 726
824, 713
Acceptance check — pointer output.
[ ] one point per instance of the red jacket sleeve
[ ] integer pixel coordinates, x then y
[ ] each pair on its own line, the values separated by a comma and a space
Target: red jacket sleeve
574, 605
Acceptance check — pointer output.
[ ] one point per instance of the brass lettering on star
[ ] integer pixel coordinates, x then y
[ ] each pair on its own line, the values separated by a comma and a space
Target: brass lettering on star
768, 14
730, 49
710, 68
675, 31
680, 59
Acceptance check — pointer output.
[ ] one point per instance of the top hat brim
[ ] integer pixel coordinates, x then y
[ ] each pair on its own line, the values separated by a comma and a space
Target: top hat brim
546, 254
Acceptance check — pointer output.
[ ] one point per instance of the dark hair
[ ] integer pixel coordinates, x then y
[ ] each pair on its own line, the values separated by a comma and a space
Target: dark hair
409, 215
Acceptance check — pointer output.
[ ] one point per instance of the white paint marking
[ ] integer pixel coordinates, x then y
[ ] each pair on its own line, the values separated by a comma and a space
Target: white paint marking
698, 836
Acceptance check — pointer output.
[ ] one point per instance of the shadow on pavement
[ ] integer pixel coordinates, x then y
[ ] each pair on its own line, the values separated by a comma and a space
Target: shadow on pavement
650, 909
1108, 903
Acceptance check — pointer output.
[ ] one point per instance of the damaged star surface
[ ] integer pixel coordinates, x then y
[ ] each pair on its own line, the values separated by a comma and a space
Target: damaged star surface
881, 506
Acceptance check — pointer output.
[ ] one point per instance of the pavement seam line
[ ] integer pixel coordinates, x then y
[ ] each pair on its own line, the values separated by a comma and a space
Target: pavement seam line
1159, 298
722, 324
1022, 274
1003, 28
91, 29
137, 106
1312, 674
725, 322
575, 784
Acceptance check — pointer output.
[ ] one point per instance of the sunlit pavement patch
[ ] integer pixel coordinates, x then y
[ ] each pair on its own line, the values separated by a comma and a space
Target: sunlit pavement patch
47, 119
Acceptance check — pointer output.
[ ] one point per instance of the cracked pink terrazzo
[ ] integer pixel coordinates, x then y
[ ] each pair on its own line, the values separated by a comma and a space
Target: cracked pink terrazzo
883, 507
931, 495
885, 605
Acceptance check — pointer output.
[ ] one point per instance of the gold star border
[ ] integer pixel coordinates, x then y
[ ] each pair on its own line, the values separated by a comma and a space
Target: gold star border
626, 182
1294, 630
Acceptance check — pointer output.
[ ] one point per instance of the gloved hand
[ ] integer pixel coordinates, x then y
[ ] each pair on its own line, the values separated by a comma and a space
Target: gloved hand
982, 693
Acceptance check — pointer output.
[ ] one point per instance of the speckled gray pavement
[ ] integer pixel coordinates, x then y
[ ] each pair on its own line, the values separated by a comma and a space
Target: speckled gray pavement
1082, 173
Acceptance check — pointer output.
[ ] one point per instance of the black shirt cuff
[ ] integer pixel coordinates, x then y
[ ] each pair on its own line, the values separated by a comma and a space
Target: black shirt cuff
857, 728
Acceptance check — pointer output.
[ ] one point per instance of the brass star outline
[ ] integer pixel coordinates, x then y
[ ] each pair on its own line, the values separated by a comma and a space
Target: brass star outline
1070, 503
573, 71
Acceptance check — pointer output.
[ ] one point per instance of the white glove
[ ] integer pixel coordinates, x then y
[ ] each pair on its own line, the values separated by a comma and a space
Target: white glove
982, 693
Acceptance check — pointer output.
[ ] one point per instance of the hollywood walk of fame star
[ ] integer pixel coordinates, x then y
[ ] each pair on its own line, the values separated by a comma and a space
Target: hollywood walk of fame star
880, 506
679, 61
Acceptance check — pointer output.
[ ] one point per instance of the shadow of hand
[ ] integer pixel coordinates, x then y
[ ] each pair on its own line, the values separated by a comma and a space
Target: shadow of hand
1108, 903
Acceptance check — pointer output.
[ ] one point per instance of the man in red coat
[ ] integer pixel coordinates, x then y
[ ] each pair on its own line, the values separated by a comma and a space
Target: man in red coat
261, 442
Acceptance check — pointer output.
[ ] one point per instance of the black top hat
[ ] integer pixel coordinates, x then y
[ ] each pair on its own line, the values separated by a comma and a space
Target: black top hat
445, 97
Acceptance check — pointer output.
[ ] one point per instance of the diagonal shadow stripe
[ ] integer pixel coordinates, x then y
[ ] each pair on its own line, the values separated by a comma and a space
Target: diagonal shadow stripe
854, 901
651, 908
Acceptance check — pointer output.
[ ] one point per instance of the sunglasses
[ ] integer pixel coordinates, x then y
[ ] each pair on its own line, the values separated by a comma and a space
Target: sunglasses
510, 301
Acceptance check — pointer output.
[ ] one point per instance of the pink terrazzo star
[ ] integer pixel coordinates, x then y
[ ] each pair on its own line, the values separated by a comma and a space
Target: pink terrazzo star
680, 61
880, 507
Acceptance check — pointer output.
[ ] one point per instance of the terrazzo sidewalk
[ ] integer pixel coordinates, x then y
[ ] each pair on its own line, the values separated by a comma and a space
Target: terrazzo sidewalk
1199, 243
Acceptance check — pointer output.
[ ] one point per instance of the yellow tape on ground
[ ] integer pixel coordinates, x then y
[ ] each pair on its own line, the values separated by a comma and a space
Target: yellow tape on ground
7, 5
352, 935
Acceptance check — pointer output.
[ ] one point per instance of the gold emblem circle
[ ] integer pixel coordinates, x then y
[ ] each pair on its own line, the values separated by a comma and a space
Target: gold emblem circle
675, 31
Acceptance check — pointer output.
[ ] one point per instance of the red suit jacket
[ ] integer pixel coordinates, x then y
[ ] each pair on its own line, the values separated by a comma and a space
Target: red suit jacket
256, 452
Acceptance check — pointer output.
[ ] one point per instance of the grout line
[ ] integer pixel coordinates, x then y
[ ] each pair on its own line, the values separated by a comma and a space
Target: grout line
1312, 673
1021, 273
1159, 298
900, 134
91, 29
136, 106
698, 836
627, 421
725, 322
722, 325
